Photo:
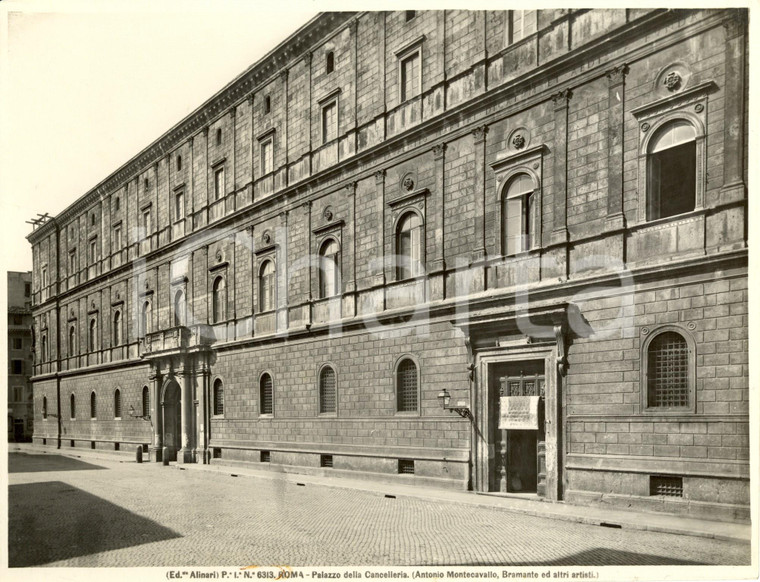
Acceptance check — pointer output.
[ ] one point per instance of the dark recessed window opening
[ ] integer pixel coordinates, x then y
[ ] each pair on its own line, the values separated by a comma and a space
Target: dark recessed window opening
116, 203
218, 397
665, 486
330, 62
219, 136
407, 386
267, 394
92, 218
326, 461
267, 104
406, 467
217, 453
116, 446
145, 448
179, 163
92, 445
44, 441
668, 371
146, 183
410, 14
266, 457
672, 171
71, 443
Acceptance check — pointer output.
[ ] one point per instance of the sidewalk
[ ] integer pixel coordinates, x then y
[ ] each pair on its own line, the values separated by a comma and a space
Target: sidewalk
605, 517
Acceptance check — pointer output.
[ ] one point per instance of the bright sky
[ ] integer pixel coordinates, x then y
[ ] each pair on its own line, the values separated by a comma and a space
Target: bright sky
87, 87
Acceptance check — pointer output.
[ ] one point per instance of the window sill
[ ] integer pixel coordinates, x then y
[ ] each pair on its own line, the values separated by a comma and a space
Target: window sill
328, 415
407, 413
697, 212
669, 411
266, 416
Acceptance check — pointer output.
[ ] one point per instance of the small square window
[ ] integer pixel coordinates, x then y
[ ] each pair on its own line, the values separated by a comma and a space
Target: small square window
326, 461
217, 453
406, 466
410, 14
665, 486
266, 457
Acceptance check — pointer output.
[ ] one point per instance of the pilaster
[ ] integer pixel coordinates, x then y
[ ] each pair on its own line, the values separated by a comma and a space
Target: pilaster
561, 105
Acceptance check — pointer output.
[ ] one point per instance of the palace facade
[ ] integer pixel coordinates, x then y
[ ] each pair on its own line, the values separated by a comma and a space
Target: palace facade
502, 251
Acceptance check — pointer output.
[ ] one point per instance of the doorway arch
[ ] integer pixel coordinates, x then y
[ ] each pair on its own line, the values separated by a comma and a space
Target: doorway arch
171, 405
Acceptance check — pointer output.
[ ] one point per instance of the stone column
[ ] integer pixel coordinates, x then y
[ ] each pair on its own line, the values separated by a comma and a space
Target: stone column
616, 100
733, 132
185, 454
561, 104
157, 416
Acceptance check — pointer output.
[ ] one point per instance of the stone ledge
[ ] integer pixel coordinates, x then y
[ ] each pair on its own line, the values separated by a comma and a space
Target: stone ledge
719, 469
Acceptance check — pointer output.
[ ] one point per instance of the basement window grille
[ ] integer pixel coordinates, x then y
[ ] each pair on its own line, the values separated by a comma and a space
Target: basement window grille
217, 453
92, 445
116, 446
72, 444
266, 457
406, 467
663, 486
326, 461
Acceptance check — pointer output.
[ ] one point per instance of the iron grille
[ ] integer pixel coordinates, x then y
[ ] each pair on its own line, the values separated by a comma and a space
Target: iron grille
406, 466
407, 386
326, 461
117, 404
218, 397
266, 395
217, 453
327, 399
146, 401
523, 385
666, 486
668, 371
266, 457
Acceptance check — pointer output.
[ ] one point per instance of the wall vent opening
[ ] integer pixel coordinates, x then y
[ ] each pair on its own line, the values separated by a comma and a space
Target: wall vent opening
665, 486
326, 461
72, 444
92, 445
116, 446
217, 453
266, 457
406, 467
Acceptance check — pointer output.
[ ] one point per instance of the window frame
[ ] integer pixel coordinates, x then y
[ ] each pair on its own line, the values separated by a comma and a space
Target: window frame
396, 367
320, 395
691, 371
117, 404
260, 282
326, 135
117, 328
92, 335
179, 204
337, 273
413, 52
215, 385
72, 407
116, 240
416, 270
261, 394
44, 408
145, 409
93, 250
266, 142
219, 300
93, 405
529, 212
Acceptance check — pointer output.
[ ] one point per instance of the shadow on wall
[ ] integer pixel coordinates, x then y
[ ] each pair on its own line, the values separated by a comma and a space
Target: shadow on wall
23, 463
53, 521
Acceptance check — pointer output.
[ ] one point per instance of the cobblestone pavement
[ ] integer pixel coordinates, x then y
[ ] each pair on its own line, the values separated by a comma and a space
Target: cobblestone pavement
71, 512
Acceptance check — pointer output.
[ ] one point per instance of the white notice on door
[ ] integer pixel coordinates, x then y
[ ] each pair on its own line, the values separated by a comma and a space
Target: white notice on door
519, 413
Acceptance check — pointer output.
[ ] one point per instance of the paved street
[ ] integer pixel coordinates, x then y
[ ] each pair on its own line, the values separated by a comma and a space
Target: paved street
86, 512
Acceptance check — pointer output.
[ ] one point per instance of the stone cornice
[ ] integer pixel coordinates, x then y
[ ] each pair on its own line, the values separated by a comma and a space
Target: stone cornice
284, 54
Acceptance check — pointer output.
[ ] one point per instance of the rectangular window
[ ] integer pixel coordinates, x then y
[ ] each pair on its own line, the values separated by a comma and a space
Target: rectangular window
665, 486
406, 466
93, 250
179, 205
218, 183
17, 320
267, 163
27, 289
146, 222
116, 240
266, 457
520, 24
329, 121
72, 261
17, 366
44, 278
326, 461
18, 343
410, 76
18, 393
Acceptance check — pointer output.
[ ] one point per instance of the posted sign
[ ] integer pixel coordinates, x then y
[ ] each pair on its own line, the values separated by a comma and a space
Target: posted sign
519, 412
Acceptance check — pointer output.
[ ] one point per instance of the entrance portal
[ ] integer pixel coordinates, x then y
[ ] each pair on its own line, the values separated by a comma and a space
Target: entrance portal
516, 396
172, 421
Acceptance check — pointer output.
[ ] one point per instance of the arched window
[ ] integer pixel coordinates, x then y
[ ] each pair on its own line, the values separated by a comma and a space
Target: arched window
145, 324
409, 246
330, 62
73, 407
672, 170
218, 397
669, 376
72, 340
219, 300
117, 404
179, 308
329, 269
407, 386
93, 405
327, 390
266, 394
145, 401
267, 283
44, 407
93, 334
117, 328
518, 225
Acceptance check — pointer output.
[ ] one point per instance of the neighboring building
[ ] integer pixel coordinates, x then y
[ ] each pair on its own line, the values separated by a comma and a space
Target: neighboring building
536, 217
20, 360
